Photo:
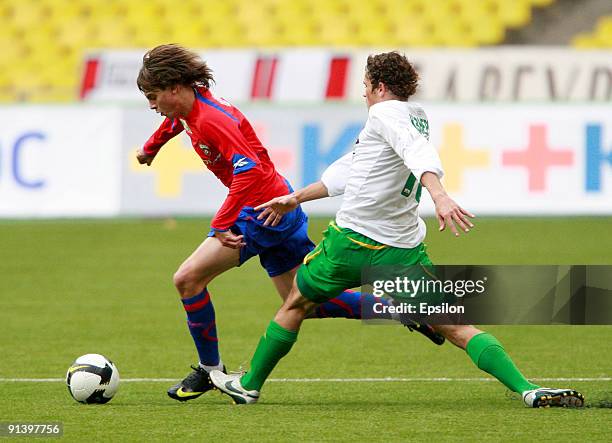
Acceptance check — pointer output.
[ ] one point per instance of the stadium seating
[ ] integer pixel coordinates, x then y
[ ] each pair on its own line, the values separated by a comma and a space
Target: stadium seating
44, 41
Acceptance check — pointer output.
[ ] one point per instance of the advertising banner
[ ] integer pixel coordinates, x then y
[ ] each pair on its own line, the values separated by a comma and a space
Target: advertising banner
59, 161
498, 160
318, 75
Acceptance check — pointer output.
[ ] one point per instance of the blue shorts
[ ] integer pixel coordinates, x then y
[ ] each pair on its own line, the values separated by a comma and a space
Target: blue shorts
280, 248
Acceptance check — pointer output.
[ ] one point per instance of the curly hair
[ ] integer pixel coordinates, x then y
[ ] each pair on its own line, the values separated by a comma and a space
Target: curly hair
395, 71
168, 65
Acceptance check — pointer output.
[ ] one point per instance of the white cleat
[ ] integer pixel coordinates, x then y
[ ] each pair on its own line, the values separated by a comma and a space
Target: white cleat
230, 384
546, 398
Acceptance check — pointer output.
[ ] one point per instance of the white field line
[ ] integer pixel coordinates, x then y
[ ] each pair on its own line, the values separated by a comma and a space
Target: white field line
324, 380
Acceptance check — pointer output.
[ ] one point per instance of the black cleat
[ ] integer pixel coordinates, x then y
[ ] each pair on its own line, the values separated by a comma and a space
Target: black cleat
192, 386
424, 329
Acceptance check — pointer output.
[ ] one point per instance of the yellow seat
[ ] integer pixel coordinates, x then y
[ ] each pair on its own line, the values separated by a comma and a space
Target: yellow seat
485, 29
27, 13
514, 13
332, 32
6, 79
231, 36
372, 34
412, 33
298, 24
603, 31
587, 41
600, 37
454, 33
542, 3
303, 35
26, 80
109, 34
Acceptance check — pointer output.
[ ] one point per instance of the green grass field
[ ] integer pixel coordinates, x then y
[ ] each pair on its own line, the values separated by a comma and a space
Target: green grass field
75, 287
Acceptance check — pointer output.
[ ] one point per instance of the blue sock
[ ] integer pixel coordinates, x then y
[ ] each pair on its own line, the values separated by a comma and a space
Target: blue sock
201, 322
351, 304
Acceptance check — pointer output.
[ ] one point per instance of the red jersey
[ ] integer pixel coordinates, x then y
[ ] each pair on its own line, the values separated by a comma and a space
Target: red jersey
227, 144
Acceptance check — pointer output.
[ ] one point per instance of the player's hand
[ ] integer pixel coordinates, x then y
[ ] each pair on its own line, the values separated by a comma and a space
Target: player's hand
275, 209
230, 240
144, 158
449, 213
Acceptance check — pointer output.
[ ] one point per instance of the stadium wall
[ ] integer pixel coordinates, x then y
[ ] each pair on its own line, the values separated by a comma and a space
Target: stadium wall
78, 161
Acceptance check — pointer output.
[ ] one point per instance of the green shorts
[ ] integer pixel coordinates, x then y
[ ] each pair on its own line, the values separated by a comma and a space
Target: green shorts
337, 262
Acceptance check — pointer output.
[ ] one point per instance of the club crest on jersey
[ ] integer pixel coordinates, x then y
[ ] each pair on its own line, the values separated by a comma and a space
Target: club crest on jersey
242, 163
204, 149
421, 124
185, 125
208, 162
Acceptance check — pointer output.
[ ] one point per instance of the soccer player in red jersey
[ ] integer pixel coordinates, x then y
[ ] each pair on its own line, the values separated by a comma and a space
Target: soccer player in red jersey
176, 83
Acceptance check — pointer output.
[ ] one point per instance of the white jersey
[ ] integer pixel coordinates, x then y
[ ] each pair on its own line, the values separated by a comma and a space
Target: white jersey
381, 178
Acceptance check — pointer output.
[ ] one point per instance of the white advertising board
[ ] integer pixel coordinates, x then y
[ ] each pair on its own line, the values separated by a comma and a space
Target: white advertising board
499, 160
59, 161
316, 75
79, 161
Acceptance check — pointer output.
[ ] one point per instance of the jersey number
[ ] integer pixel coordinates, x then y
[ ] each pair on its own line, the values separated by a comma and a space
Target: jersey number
409, 186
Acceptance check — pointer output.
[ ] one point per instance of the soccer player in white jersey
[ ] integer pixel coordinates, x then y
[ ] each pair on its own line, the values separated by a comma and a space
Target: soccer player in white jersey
377, 225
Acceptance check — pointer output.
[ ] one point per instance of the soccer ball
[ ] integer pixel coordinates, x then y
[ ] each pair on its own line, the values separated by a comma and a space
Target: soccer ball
92, 378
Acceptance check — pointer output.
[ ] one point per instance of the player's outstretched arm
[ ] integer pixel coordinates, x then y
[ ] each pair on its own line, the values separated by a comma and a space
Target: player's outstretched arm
167, 130
275, 209
447, 211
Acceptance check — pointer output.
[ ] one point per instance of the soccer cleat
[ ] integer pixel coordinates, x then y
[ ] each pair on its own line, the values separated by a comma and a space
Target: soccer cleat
546, 397
424, 329
192, 386
230, 384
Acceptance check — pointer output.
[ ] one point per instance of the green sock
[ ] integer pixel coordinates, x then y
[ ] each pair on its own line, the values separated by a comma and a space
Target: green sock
488, 354
274, 345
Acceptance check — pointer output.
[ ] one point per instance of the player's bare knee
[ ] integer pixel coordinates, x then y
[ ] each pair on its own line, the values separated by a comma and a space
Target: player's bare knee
180, 278
187, 281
